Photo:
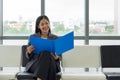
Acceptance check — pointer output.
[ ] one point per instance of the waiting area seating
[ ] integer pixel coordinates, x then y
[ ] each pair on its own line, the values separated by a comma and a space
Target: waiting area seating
84, 62
110, 60
23, 75
82, 58
9, 61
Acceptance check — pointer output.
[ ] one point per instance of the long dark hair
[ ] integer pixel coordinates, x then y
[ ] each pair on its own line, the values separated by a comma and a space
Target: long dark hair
37, 30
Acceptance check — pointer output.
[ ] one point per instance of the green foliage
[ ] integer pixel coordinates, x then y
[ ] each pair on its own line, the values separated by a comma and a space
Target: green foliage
22, 29
109, 28
58, 27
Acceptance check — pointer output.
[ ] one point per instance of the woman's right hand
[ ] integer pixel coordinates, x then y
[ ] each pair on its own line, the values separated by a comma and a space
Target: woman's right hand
30, 49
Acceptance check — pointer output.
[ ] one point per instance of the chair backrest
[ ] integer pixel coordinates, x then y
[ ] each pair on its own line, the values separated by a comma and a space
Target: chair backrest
110, 56
84, 56
10, 55
23, 56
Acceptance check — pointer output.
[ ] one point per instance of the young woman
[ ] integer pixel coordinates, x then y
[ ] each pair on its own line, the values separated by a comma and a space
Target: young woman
45, 65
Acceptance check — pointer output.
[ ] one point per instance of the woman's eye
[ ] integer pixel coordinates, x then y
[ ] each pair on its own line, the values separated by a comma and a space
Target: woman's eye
42, 24
46, 23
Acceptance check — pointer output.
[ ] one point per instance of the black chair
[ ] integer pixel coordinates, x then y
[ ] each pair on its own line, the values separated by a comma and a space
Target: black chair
110, 58
23, 75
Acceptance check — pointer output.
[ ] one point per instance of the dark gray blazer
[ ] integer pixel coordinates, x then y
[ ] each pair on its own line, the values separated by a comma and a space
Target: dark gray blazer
32, 57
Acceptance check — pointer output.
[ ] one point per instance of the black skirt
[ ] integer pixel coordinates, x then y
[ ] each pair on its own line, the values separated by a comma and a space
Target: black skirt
44, 67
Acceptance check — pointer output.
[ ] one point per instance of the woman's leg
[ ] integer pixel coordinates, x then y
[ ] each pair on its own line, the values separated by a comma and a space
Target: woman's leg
45, 68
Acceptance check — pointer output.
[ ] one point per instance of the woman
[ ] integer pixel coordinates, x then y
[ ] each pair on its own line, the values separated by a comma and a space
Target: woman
45, 65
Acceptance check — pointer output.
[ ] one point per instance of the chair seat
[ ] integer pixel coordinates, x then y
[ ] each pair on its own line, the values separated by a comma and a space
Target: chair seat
29, 76
112, 75
24, 75
83, 76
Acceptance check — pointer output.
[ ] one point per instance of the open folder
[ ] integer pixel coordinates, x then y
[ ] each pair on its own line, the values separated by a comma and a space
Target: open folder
58, 46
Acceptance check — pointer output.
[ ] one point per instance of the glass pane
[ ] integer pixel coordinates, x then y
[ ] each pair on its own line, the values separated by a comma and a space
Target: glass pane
104, 17
104, 42
65, 16
19, 16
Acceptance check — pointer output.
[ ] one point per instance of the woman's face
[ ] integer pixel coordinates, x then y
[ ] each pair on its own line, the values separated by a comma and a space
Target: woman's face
44, 26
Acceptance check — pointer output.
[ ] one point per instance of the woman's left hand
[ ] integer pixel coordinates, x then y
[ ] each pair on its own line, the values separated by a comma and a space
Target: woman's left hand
55, 56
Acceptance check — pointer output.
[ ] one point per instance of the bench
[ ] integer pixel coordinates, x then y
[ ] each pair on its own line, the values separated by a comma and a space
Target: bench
81, 63
84, 57
9, 61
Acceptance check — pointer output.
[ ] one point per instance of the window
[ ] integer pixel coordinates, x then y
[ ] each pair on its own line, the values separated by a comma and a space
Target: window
103, 17
19, 17
65, 16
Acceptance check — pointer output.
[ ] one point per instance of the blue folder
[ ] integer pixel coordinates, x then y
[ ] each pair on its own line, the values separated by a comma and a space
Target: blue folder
58, 46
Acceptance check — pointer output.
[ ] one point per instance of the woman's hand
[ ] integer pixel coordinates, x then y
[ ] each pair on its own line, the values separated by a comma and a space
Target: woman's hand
30, 49
55, 56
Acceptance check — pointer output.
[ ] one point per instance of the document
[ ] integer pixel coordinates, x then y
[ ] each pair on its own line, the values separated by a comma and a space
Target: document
57, 46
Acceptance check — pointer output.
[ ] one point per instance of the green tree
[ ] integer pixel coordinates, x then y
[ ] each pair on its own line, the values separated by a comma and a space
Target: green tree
109, 28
